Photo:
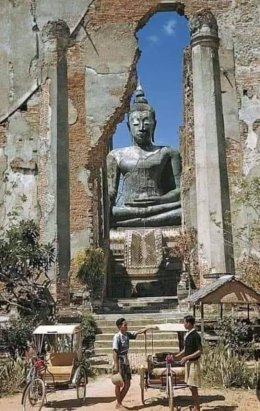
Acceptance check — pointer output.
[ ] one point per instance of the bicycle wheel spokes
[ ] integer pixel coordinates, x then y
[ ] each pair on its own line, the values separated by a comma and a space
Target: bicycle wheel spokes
34, 396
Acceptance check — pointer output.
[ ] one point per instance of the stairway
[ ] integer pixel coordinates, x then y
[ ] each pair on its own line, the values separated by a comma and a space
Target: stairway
139, 305
157, 341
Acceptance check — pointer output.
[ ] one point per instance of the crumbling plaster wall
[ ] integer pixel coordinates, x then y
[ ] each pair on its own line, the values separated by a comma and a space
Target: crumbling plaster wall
108, 52
21, 25
18, 162
240, 56
239, 33
104, 81
102, 56
23, 112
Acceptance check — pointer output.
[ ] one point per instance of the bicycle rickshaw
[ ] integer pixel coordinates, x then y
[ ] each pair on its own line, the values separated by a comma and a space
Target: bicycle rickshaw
60, 365
161, 371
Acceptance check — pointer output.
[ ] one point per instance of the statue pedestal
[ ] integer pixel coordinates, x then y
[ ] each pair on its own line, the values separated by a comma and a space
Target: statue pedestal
141, 265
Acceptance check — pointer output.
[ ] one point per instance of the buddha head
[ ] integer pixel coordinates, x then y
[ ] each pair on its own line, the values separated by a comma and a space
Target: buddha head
141, 119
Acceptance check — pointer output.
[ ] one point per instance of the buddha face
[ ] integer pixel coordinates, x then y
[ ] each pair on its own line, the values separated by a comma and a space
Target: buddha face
142, 125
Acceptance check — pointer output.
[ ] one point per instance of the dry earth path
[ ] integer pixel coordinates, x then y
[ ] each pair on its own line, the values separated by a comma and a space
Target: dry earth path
100, 397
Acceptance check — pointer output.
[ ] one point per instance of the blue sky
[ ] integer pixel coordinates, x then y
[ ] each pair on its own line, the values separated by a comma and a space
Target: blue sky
159, 69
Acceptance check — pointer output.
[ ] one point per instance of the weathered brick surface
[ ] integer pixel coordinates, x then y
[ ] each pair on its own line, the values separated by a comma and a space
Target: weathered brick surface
43, 158
237, 20
2, 134
85, 208
79, 144
187, 147
136, 11
234, 153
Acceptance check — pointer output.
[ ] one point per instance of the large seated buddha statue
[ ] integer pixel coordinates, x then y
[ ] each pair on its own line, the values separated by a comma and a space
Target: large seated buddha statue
144, 179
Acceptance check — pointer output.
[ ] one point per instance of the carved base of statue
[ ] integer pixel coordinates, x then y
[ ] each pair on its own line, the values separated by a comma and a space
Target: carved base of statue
141, 265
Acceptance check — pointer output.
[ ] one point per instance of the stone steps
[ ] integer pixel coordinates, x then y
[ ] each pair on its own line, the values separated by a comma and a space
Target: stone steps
138, 343
142, 299
137, 350
157, 335
139, 305
131, 323
133, 319
162, 341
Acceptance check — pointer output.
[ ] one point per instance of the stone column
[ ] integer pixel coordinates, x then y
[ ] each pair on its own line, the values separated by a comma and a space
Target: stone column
212, 189
56, 209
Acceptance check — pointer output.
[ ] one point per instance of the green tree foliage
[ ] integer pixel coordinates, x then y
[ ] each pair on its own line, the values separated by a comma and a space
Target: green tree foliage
185, 248
249, 268
90, 265
233, 333
248, 235
24, 266
89, 331
16, 335
248, 193
12, 375
247, 198
222, 367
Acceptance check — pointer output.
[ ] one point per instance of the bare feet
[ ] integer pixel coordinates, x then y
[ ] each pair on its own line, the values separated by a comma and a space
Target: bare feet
120, 407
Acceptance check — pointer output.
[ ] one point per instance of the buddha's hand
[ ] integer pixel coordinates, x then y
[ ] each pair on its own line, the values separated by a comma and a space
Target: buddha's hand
173, 196
143, 202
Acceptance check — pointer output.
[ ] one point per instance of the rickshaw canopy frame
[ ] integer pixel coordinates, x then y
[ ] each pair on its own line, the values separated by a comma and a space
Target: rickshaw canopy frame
58, 329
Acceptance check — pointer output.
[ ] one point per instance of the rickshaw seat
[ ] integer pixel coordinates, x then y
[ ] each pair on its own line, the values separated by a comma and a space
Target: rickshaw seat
62, 358
158, 374
60, 366
178, 371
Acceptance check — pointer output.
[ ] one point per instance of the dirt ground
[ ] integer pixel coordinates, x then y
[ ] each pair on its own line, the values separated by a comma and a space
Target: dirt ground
100, 397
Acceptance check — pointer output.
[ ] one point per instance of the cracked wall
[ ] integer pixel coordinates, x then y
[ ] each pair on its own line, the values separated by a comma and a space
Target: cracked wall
102, 55
19, 58
239, 64
19, 163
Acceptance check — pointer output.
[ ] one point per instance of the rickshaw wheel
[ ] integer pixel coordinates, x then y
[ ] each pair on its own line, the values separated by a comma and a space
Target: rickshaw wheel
170, 394
34, 395
81, 385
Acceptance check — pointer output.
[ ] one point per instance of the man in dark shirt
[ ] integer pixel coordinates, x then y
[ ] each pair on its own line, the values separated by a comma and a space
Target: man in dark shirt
190, 356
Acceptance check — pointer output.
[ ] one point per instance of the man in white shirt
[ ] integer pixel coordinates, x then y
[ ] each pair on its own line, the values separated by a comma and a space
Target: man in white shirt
120, 357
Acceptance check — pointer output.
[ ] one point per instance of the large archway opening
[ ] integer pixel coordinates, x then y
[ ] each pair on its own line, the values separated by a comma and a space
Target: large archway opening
160, 72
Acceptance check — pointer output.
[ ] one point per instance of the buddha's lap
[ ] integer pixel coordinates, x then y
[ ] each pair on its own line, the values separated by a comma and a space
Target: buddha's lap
172, 217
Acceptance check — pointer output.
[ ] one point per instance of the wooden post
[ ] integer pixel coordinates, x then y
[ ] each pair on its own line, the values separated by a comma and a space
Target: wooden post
221, 311
202, 321
248, 311
194, 311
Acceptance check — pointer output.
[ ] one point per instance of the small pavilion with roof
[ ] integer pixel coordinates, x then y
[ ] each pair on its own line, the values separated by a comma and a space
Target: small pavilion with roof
227, 289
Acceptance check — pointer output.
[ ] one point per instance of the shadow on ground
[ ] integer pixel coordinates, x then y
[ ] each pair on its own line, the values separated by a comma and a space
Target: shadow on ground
74, 404
185, 401
221, 408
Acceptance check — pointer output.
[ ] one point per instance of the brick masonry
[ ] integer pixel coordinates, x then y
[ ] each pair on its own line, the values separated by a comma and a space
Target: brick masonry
103, 43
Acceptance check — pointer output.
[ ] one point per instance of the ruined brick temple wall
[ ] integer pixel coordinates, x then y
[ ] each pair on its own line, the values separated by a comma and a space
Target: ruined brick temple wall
102, 55
239, 64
